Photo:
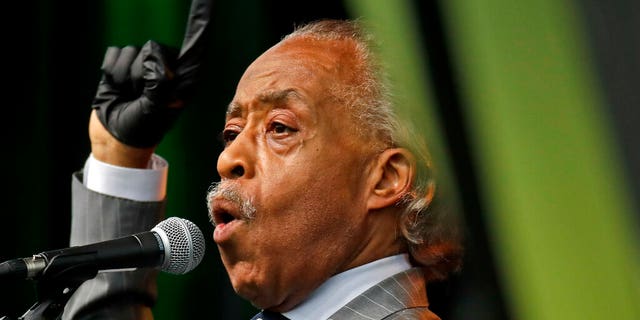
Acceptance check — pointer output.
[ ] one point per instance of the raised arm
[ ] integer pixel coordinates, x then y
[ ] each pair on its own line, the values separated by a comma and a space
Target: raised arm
140, 96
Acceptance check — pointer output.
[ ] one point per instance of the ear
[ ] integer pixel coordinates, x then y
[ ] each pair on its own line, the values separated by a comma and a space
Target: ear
391, 178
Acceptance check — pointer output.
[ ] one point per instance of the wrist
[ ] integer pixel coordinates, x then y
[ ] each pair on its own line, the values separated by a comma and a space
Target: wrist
108, 149
119, 154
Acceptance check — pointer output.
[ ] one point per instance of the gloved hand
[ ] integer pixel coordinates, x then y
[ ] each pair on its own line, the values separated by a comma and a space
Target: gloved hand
142, 92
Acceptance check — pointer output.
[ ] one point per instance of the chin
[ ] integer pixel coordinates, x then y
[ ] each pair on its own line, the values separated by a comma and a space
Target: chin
246, 285
254, 296
259, 295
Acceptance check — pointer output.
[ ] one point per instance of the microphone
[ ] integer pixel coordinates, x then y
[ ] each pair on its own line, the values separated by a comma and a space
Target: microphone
174, 245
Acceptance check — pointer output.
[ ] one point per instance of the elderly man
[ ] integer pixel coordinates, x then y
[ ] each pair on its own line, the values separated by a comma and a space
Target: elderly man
322, 211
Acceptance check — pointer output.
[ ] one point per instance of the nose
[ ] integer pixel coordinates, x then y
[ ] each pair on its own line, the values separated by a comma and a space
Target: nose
235, 161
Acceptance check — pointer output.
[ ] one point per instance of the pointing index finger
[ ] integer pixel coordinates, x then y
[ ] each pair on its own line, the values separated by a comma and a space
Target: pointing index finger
193, 42
193, 47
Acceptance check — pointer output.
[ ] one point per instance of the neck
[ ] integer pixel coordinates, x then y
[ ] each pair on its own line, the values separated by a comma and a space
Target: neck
384, 239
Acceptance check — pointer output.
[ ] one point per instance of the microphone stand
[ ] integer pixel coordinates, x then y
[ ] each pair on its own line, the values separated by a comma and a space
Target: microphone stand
55, 285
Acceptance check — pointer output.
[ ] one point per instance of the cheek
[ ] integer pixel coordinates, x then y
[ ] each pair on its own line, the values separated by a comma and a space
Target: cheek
306, 210
317, 187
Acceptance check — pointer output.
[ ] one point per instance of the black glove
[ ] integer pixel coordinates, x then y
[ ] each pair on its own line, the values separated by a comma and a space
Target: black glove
142, 92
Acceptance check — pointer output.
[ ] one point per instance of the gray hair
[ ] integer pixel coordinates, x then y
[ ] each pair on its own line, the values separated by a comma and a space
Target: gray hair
431, 238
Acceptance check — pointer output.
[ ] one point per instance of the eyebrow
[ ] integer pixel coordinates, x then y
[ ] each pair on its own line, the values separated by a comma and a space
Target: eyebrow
272, 97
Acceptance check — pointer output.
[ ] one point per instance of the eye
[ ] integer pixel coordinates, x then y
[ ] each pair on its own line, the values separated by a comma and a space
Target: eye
228, 135
281, 129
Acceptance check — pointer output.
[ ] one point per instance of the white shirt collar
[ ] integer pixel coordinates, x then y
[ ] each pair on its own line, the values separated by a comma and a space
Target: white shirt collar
344, 287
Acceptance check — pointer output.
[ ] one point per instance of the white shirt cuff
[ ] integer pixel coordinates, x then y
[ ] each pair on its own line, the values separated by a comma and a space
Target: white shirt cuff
129, 183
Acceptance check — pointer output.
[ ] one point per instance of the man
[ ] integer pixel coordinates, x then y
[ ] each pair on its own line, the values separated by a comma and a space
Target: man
322, 211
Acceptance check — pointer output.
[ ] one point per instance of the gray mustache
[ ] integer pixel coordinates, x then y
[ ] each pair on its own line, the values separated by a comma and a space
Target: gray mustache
230, 192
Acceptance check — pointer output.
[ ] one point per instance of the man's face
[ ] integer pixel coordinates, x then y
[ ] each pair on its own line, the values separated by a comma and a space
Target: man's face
293, 153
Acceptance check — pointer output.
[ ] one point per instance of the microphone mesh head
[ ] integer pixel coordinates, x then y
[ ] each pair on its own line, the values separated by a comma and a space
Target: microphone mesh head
186, 245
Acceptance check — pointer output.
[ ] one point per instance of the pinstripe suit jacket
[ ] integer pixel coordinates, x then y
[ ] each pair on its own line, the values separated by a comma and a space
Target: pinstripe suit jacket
402, 296
130, 295
97, 217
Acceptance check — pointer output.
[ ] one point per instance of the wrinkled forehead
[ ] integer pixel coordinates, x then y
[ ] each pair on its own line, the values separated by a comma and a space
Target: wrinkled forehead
312, 65
277, 97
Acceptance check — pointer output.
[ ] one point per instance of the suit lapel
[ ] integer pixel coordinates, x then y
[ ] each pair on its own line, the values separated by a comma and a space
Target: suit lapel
401, 291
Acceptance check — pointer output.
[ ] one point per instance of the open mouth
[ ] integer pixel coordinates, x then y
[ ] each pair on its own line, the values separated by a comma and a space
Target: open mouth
226, 220
224, 212
223, 217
